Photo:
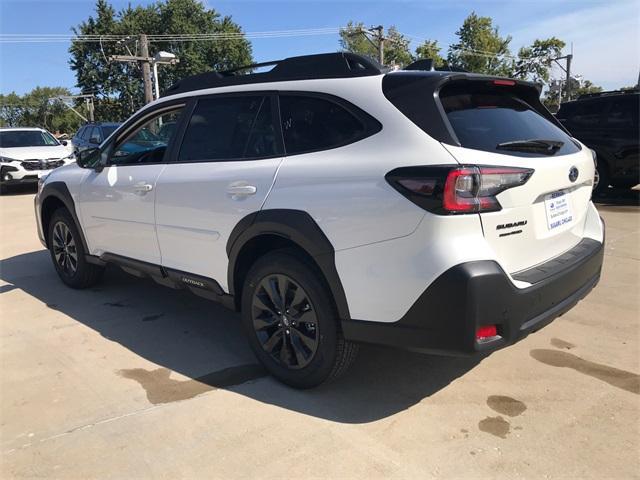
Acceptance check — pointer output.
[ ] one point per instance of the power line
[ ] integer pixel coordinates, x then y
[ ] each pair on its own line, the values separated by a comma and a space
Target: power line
177, 37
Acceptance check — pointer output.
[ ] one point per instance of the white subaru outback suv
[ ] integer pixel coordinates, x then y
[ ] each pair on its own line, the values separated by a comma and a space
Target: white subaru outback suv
333, 203
27, 154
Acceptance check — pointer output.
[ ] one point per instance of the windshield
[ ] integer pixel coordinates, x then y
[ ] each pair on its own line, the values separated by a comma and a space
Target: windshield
26, 138
496, 121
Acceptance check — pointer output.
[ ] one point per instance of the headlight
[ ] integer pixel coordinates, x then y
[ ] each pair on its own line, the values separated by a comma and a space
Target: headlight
7, 160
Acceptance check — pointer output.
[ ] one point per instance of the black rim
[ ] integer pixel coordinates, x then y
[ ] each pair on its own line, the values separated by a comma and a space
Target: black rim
64, 249
285, 321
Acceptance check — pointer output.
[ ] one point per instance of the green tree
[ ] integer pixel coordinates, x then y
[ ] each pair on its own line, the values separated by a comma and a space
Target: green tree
118, 86
396, 45
585, 88
534, 62
480, 48
430, 49
39, 108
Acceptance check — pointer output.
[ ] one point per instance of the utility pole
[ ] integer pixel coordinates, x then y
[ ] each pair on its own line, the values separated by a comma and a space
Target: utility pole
146, 71
381, 38
145, 62
567, 89
567, 70
377, 34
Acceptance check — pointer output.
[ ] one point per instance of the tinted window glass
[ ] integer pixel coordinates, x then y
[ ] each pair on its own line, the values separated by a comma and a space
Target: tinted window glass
584, 114
108, 130
311, 124
87, 133
230, 128
485, 119
144, 145
623, 112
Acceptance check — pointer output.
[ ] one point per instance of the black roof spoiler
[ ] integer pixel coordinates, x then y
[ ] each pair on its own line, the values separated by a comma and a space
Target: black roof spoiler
428, 65
306, 67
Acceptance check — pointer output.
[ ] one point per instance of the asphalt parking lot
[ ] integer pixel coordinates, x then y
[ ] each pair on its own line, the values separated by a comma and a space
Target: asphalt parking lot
133, 380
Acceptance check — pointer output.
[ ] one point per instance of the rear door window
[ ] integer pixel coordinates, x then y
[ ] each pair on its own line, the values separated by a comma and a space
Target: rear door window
311, 124
584, 114
230, 128
489, 120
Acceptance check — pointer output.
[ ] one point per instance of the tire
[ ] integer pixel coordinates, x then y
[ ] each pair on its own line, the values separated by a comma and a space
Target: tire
68, 253
602, 178
3, 189
308, 330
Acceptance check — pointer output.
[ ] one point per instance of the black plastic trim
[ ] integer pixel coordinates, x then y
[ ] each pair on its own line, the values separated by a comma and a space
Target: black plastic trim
300, 228
203, 286
60, 191
445, 317
586, 248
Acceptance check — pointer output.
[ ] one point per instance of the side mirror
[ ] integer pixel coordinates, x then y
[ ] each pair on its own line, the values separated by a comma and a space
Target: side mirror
64, 143
89, 158
94, 140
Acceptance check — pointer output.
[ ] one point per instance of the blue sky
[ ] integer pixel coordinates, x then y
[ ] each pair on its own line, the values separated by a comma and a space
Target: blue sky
605, 34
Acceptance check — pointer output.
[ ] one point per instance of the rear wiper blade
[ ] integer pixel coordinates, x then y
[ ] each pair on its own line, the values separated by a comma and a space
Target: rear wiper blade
544, 146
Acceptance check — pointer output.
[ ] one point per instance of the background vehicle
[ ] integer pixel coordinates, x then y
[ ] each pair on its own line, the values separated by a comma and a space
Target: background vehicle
333, 203
26, 154
92, 134
607, 122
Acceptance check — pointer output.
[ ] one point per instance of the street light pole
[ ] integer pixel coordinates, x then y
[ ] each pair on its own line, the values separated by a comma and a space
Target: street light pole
156, 85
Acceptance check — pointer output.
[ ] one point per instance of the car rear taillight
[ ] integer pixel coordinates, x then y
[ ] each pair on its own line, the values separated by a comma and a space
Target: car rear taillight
458, 189
486, 331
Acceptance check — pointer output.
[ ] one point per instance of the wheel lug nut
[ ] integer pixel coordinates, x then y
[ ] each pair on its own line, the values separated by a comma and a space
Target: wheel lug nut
287, 332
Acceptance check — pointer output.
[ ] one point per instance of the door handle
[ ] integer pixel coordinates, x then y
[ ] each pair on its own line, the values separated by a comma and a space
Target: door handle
241, 190
142, 188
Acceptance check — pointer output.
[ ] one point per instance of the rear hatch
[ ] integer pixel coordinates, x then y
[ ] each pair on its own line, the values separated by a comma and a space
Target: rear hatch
501, 123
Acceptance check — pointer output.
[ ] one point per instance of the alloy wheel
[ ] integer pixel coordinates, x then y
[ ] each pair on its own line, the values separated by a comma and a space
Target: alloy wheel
285, 321
64, 249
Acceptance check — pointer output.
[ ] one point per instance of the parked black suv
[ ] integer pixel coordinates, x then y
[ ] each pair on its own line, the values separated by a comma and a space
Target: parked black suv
92, 134
607, 122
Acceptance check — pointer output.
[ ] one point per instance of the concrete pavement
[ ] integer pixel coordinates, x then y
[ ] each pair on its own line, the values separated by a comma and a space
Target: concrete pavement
133, 380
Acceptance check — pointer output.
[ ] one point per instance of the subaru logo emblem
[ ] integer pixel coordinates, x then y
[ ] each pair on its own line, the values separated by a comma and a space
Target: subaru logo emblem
573, 174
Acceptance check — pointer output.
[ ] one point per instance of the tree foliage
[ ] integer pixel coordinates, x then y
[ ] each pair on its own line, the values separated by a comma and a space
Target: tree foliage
480, 48
396, 47
534, 62
39, 108
430, 49
118, 86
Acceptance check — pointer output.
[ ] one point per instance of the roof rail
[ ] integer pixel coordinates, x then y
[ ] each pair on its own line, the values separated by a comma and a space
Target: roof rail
323, 65
428, 64
625, 91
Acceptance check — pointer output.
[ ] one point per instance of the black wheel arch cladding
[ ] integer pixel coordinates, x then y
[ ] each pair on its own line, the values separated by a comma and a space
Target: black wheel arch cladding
60, 192
297, 227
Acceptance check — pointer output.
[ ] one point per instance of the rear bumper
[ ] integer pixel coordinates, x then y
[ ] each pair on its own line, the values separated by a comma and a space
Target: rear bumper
446, 316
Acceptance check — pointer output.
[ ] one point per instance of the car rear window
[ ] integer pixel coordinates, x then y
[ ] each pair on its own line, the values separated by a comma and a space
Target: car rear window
486, 118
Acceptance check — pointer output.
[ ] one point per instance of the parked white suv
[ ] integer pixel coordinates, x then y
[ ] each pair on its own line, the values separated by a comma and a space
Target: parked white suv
27, 154
332, 203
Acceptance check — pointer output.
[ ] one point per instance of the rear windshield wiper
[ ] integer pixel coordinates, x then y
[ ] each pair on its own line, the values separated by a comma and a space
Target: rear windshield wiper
547, 147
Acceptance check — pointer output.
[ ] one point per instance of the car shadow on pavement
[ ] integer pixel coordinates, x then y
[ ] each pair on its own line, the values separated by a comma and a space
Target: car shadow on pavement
181, 332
